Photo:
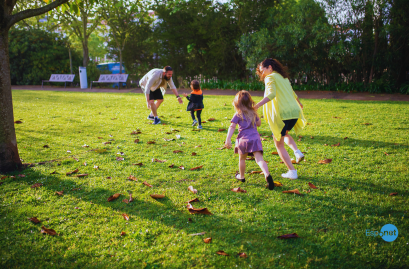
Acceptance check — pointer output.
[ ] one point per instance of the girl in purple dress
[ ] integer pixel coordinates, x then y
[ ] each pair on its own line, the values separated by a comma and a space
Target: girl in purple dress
248, 142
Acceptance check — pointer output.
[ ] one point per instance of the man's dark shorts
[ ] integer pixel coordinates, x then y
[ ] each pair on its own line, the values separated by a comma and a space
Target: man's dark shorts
156, 95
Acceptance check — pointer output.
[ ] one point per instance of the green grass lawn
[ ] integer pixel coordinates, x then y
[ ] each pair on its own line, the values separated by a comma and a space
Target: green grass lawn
331, 221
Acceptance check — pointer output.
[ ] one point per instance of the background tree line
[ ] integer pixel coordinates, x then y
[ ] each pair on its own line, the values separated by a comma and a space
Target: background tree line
358, 45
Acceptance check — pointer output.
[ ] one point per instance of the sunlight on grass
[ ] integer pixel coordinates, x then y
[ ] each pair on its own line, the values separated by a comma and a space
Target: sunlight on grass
352, 195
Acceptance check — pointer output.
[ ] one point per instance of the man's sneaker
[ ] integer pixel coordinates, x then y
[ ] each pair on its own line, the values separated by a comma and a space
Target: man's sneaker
298, 156
291, 174
194, 122
151, 117
156, 121
199, 127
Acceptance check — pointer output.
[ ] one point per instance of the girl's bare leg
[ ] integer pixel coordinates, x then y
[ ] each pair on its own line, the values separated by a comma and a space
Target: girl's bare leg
260, 161
283, 153
242, 164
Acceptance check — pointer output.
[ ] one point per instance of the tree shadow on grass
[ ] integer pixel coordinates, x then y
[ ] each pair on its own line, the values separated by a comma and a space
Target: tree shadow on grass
216, 225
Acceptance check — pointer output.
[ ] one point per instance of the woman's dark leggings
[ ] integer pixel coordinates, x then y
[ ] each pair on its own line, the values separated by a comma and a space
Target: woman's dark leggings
198, 112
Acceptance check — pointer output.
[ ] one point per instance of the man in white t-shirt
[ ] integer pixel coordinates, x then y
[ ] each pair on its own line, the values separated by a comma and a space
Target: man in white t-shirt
154, 86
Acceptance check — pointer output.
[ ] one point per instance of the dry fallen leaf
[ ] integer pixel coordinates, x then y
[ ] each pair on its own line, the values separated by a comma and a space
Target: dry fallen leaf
288, 236
21, 175
45, 146
238, 190
195, 168
119, 159
296, 191
72, 172
109, 177
312, 186
3, 177
336, 145
177, 151
274, 153
325, 144
325, 161
198, 146
126, 217
221, 252
85, 146
157, 196
293, 161
48, 231
386, 154
125, 201
140, 164
203, 121
211, 119
18, 121
131, 177
82, 175
35, 220
168, 133
207, 240
136, 132
263, 139
190, 188
278, 184
106, 143
158, 161
36, 185
312, 137
222, 147
256, 172
221, 130
346, 137
366, 123
203, 211
193, 201
113, 197
123, 234
171, 166
194, 153
147, 184
393, 194
59, 193
242, 255
181, 167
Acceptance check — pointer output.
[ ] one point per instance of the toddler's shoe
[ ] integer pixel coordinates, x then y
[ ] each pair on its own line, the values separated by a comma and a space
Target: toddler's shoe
194, 122
240, 179
298, 156
199, 127
270, 182
291, 174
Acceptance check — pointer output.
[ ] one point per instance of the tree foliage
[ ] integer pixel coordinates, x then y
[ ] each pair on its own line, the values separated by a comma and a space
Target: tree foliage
36, 54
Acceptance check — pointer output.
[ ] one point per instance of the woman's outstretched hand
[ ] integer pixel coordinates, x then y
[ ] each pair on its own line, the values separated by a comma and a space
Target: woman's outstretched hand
227, 144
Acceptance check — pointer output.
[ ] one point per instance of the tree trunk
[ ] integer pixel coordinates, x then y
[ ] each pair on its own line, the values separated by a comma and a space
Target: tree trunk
69, 52
9, 157
120, 61
85, 53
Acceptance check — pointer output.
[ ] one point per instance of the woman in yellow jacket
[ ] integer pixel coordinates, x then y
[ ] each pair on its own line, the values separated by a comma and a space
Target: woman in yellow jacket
282, 110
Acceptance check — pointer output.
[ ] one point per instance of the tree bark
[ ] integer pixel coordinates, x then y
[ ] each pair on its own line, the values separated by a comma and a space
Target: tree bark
9, 157
85, 53
120, 60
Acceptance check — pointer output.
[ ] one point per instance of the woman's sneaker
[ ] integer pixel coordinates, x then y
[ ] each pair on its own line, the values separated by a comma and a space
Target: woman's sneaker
291, 174
156, 121
194, 122
298, 156
151, 117
199, 127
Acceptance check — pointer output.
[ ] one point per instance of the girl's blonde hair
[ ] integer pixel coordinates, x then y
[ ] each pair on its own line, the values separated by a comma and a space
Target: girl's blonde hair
244, 106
